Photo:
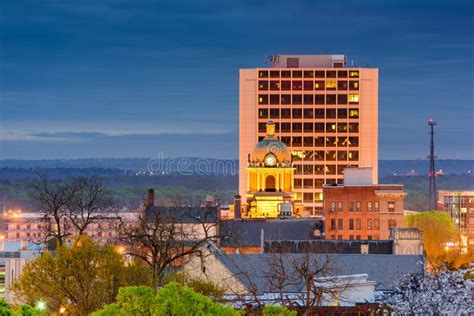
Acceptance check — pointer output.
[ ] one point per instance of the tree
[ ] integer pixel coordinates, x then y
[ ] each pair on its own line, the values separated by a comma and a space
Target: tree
204, 287
80, 278
166, 236
89, 198
78, 201
52, 198
21, 310
440, 292
272, 310
439, 232
172, 299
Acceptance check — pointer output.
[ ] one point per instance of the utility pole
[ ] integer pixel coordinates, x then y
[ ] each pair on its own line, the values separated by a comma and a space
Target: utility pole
432, 174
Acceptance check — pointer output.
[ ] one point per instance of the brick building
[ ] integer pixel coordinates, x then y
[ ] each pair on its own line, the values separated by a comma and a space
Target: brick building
359, 209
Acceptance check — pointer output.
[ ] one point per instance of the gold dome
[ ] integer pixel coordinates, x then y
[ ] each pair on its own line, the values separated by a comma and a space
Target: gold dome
270, 145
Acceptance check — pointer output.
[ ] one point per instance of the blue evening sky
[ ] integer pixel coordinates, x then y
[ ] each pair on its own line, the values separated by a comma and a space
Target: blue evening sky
138, 78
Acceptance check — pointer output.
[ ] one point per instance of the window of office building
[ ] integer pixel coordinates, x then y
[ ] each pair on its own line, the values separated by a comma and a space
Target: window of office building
297, 127
342, 113
330, 99
331, 141
357, 222
333, 224
286, 140
308, 141
285, 113
340, 206
274, 99
331, 155
262, 99
307, 197
330, 127
353, 127
285, 99
376, 206
285, 127
297, 73
275, 85
357, 206
331, 74
354, 73
274, 74
319, 99
342, 85
297, 113
319, 169
331, 113
298, 183
263, 74
296, 141
342, 74
308, 74
351, 224
308, 127
331, 169
286, 73
319, 155
353, 99
308, 183
274, 113
353, 85
319, 74
331, 85
297, 85
369, 224
262, 85
308, 85
342, 141
342, 155
351, 206
342, 99
342, 127
308, 99
319, 127
353, 141
353, 113
369, 206
319, 85
354, 156
297, 99
263, 113
262, 127
285, 85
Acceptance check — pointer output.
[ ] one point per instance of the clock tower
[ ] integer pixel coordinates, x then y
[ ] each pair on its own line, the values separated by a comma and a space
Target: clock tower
270, 180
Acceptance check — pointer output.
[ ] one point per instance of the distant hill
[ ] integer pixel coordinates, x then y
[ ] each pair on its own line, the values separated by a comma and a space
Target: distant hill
212, 166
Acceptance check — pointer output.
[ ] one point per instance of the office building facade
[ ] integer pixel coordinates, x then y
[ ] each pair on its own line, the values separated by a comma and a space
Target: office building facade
325, 112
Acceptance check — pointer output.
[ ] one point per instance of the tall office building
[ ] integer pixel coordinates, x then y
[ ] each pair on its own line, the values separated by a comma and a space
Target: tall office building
325, 112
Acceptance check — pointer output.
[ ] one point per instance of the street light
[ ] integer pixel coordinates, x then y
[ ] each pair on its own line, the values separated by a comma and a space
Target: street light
40, 305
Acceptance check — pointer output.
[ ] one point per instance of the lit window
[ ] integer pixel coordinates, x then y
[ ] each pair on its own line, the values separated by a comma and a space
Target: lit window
354, 74
353, 98
353, 113
339, 206
376, 206
331, 85
369, 206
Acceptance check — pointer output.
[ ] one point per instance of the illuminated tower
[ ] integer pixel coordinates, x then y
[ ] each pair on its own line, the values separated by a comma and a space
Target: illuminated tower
270, 179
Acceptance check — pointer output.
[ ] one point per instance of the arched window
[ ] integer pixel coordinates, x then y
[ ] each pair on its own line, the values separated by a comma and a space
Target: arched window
270, 184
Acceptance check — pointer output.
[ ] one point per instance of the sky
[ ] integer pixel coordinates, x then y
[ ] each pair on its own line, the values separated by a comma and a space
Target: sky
100, 79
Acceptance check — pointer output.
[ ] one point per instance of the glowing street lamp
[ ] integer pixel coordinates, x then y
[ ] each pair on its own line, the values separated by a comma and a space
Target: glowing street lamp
41, 305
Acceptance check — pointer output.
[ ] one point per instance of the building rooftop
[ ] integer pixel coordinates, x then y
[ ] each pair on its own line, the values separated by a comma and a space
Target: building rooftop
248, 233
384, 270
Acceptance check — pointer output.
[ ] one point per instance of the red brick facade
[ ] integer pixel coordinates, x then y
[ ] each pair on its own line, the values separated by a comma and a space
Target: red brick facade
363, 212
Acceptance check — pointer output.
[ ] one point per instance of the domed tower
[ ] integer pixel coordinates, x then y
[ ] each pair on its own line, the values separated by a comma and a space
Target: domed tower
270, 178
